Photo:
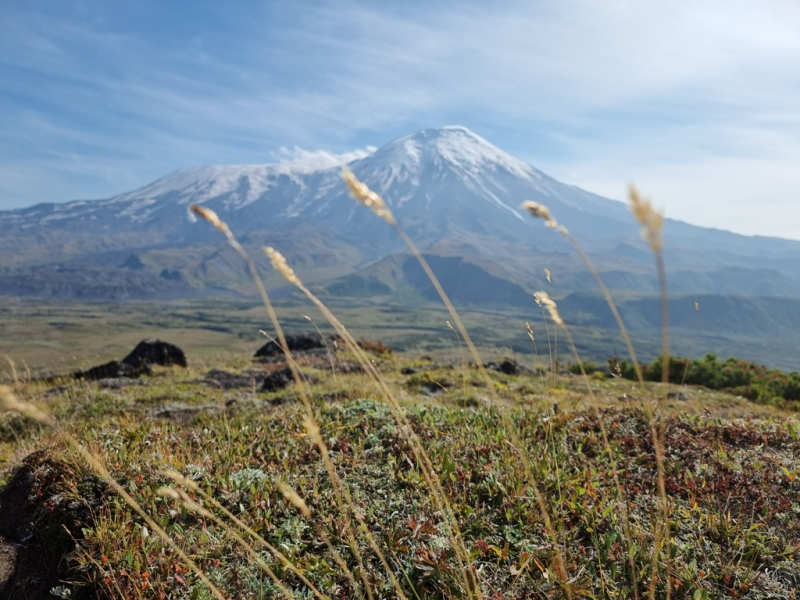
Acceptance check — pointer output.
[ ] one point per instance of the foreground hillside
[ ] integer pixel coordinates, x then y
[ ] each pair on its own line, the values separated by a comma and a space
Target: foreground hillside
730, 476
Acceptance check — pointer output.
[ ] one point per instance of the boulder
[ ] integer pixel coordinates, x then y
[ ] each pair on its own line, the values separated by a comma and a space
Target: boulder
226, 380
40, 524
296, 343
509, 367
113, 369
277, 380
506, 366
155, 352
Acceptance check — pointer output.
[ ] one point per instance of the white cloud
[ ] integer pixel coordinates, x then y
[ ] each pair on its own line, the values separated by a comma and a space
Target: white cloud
312, 160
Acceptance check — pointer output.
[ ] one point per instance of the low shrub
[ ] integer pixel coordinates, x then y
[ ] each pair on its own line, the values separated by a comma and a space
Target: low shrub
751, 380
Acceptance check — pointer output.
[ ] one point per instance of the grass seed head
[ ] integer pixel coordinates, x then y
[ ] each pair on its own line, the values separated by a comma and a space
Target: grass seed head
312, 428
649, 218
540, 211
9, 402
194, 507
367, 197
547, 272
179, 478
281, 266
210, 216
168, 492
542, 299
294, 498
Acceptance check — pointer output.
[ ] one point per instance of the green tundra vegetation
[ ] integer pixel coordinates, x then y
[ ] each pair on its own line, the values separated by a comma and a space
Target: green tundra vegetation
348, 470
730, 474
753, 381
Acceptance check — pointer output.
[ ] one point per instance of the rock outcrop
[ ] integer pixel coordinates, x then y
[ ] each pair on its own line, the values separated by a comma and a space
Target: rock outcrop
155, 352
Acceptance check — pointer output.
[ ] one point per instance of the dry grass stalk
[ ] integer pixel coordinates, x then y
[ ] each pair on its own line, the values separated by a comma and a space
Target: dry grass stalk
293, 497
196, 508
555, 329
340, 491
559, 562
623, 330
9, 402
540, 211
649, 218
367, 197
595, 405
327, 348
652, 223
606, 294
180, 479
210, 216
461, 356
543, 299
535, 352
462, 555
549, 342
279, 264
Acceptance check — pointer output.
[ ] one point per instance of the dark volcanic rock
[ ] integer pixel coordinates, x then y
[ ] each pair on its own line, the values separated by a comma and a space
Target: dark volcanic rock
112, 370
155, 352
37, 517
226, 380
296, 343
137, 363
507, 367
277, 380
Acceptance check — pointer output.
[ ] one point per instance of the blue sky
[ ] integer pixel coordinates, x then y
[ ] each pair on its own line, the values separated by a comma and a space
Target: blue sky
698, 103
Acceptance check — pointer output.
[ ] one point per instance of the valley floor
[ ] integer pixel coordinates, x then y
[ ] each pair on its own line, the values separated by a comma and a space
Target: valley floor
50, 338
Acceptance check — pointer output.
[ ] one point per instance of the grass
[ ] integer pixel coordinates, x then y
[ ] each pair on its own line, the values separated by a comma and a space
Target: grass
453, 483
734, 518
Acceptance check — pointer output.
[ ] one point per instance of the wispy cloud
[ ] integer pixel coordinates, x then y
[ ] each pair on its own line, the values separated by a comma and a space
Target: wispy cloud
313, 160
102, 98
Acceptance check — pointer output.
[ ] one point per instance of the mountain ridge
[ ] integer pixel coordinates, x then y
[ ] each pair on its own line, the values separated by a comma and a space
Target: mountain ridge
455, 192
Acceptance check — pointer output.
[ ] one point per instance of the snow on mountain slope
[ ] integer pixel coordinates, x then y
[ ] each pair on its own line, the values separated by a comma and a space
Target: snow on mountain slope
439, 171
445, 183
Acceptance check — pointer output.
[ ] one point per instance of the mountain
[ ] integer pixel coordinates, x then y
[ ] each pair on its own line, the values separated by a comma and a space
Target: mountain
455, 193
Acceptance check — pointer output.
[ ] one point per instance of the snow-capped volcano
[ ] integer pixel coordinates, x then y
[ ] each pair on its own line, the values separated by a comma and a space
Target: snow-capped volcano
453, 191
445, 176
455, 148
